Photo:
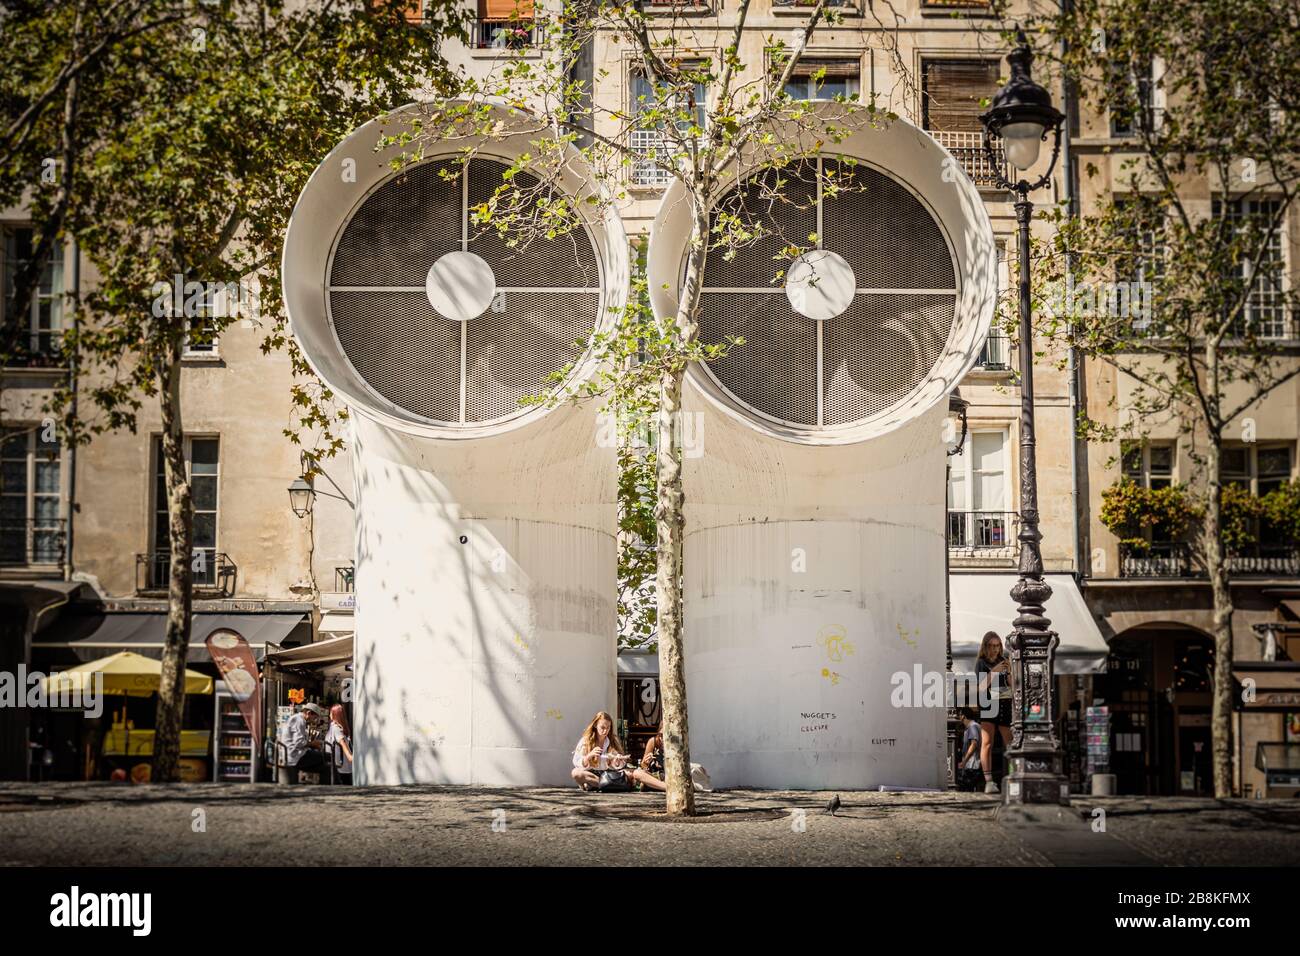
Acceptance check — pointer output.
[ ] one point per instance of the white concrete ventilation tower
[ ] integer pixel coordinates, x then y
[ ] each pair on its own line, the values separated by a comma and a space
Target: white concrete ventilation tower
815, 498
485, 531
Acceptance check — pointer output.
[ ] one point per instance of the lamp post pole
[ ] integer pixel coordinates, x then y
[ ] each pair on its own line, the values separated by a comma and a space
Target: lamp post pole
1022, 115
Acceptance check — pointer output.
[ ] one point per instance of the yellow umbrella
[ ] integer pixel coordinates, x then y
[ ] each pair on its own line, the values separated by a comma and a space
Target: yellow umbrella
123, 673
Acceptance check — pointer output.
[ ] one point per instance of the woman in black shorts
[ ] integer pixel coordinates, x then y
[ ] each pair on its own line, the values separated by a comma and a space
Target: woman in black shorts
651, 772
993, 671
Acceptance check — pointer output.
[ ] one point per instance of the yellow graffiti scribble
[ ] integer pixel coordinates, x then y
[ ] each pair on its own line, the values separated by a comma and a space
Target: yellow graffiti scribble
554, 713
903, 634
521, 642
834, 638
828, 673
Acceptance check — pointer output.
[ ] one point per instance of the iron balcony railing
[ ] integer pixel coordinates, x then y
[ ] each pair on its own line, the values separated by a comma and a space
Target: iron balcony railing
984, 534
968, 149
345, 579
33, 542
21, 348
213, 571
507, 33
995, 356
1177, 560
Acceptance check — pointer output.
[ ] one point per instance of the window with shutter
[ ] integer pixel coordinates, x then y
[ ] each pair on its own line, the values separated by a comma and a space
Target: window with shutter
951, 91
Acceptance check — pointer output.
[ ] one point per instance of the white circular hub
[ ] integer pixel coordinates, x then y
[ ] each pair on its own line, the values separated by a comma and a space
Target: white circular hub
460, 286
820, 284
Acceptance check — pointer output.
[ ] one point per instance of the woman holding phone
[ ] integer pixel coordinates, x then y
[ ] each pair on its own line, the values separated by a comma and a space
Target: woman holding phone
651, 772
993, 671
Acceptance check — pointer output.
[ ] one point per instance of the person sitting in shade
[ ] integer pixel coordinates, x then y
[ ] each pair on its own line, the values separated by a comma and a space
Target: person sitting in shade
302, 752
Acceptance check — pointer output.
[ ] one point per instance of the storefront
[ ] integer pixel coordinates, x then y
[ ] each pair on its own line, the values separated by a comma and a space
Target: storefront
981, 602
1268, 693
65, 745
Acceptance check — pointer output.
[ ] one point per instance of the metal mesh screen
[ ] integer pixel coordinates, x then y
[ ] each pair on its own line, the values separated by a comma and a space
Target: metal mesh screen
775, 370
873, 355
781, 205
401, 229
510, 354
879, 350
407, 352
884, 232
566, 260
410, 354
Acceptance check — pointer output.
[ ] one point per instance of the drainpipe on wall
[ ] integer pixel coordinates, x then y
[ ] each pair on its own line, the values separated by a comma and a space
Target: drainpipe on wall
1082, 566
72, 380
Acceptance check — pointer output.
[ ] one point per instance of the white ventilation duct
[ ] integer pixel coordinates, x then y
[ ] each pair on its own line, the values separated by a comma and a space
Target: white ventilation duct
815, 498
485, 531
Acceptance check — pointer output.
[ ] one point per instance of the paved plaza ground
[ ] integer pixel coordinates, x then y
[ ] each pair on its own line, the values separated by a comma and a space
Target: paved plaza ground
265, 824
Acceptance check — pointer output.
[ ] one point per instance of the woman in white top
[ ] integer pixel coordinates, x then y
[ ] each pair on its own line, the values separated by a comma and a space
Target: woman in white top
338, 734
598, 750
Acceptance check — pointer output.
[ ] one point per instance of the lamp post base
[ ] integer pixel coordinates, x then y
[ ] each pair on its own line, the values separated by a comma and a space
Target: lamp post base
1035, 778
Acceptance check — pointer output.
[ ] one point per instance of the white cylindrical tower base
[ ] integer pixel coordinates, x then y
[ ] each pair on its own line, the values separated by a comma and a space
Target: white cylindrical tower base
485, 605
797, 625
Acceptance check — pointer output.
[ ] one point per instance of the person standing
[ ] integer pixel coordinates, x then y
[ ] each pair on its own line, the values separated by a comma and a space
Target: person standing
968, 766
993, 671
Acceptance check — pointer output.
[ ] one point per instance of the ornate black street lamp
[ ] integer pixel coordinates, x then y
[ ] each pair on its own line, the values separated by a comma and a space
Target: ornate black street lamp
1021, 116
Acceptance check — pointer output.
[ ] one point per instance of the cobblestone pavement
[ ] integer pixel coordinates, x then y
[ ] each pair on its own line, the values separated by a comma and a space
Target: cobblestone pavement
264, 824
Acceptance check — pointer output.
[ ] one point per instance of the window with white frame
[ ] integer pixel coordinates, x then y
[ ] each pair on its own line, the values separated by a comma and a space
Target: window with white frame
1256, 468
978, 492
648, 138
1149, 464
202, 466
1259, 469
1266, 308
37, 332
31, 497
825, 78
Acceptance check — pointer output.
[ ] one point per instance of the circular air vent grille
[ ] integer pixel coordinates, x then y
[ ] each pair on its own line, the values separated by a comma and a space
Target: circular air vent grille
443, 317
855, 325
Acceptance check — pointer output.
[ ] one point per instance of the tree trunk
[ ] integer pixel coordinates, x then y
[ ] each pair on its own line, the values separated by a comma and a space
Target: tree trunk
1217, 567
180, 520
670, 525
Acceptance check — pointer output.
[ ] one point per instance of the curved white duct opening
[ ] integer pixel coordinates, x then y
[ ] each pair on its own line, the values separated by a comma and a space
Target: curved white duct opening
485, 563
815, 547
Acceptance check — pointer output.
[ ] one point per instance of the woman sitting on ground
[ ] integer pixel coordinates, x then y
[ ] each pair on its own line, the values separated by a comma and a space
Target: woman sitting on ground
651, 772
598, 750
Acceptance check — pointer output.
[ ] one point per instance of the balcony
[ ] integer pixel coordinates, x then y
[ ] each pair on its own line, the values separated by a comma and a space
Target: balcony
968, 149
664, 8
995, 356
507, 33
33, 543
214, 576
787, 6
345, 579
1176, 560
984, 535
